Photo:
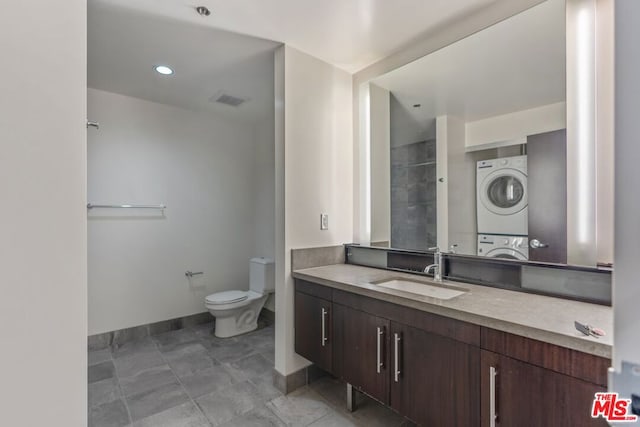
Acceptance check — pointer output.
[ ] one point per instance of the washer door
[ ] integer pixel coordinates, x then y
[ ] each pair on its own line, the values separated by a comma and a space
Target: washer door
504, 191
506, 254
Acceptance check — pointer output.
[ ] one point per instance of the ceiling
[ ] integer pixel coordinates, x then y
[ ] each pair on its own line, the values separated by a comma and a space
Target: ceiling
231, 50
350, 34
124, 45
514, 65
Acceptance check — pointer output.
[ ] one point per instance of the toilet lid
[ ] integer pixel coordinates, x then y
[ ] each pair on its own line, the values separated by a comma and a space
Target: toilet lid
227, 297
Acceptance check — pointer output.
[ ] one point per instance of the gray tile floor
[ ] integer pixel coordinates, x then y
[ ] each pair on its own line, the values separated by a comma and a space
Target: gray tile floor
190, 378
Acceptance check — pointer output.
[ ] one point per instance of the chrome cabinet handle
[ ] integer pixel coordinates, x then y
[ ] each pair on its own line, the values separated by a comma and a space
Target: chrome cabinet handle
396, 351
537, 244
324, 328
493, 415
379, 362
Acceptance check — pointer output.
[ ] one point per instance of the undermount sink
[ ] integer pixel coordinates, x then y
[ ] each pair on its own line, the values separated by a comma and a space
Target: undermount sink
438, 291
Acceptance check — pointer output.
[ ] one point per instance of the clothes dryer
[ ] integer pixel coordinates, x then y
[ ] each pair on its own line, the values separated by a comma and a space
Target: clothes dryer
501, 190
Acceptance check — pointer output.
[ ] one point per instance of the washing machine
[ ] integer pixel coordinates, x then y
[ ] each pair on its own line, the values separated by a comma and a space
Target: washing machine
501, 203
509, 247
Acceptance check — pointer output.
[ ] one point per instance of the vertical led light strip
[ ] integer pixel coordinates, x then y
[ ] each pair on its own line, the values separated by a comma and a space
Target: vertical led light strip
365, 165
581, 133
585, 118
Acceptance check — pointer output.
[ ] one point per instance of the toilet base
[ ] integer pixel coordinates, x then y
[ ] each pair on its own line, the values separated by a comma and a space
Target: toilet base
227, 327
237, 318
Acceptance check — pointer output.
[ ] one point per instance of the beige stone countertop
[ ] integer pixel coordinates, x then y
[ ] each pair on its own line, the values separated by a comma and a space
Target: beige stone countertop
533, 316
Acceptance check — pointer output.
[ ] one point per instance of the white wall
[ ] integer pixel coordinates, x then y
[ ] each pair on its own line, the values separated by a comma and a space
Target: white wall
461, 182
284, 318
516, 125
380, 136
205, 170
316, 149
456, 211
626, 292
605, 132
442, 189
43, 313
264, 193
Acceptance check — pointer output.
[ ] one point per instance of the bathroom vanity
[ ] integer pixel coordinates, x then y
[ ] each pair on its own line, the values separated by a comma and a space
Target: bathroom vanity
486, 357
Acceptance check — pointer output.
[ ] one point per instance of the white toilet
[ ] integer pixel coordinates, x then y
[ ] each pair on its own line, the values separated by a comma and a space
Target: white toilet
236, 312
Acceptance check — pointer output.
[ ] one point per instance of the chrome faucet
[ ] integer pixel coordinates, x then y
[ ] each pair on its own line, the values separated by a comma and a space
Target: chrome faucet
436, 266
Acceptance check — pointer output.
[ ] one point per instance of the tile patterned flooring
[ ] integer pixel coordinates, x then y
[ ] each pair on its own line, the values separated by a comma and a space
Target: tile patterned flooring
190, 378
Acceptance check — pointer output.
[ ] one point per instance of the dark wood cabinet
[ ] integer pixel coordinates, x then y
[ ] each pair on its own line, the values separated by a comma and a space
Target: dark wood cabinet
439, 371
437, 379
425, 366
429, 378
516, 393
365, 351
313, 329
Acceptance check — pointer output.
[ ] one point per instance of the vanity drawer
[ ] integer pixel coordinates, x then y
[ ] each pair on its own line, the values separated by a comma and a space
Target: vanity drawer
586, 367
428, 322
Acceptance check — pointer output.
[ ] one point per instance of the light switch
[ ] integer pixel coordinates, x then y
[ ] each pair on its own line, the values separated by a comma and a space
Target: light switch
324, 221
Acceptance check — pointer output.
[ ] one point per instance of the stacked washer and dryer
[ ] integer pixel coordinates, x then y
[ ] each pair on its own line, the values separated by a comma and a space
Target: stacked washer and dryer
502, 208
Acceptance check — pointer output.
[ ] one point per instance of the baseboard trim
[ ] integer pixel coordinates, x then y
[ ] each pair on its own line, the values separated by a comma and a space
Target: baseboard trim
122, 336
289, 383
268, 316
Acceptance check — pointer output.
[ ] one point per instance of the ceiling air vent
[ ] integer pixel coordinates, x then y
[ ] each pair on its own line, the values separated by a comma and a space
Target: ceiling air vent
226, 99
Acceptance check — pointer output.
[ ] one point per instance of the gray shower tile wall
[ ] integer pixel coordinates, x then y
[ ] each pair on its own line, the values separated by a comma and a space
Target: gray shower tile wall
413, 195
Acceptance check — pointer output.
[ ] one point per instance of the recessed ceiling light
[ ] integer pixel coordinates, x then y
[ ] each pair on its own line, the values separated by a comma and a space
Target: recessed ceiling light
163, 69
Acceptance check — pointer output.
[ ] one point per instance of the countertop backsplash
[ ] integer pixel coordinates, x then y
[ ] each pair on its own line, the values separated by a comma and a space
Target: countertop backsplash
562, 281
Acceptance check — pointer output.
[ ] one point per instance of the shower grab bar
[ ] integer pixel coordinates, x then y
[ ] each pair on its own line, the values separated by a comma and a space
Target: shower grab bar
92, 206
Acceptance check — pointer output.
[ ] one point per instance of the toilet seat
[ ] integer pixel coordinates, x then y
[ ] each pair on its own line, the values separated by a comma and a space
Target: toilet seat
227, 297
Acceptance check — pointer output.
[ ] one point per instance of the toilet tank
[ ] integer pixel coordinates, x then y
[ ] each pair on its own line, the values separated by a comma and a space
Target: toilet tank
262, 275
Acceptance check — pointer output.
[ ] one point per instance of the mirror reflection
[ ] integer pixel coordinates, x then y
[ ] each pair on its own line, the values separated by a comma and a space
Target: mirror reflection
468, 144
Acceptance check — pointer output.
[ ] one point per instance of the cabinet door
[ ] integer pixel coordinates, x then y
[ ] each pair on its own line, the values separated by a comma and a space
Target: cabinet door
313, 331
435, 381
515, 393
365, 351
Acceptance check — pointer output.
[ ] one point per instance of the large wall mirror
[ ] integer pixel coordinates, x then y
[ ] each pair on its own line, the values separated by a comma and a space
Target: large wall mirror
468, 145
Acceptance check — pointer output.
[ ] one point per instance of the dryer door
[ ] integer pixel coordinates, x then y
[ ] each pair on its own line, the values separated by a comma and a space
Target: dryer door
506, 254
504, 191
